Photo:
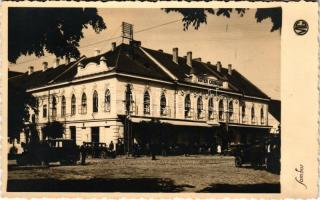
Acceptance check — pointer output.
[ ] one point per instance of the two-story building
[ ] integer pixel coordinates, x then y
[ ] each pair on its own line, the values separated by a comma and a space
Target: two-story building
132, 93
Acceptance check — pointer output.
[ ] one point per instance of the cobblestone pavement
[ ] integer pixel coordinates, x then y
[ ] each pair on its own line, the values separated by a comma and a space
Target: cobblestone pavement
166, 174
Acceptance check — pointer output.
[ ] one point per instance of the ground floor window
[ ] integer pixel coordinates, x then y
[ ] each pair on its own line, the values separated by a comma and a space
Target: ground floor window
95, 134
73, 133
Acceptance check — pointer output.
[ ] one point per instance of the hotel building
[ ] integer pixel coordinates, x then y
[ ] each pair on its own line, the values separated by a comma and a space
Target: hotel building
116, 95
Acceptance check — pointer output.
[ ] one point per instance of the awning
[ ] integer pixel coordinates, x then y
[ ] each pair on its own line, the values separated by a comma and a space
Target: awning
175, 122
249, 126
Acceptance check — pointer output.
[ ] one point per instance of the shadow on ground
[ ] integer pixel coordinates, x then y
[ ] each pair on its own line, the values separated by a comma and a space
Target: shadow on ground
96, 185
243, 188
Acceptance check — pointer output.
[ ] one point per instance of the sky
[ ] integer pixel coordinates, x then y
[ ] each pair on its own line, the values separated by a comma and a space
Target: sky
249, 46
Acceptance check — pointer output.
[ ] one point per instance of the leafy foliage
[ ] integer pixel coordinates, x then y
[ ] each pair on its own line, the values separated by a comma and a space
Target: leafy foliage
19, 103
53, 130
56, 30
198, 16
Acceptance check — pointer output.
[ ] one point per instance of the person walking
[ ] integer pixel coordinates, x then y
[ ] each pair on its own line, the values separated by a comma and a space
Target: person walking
83, 152
111, 146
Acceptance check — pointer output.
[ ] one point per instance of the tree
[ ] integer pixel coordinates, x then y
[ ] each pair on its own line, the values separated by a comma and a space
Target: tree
19, 104
197, 16
55, 30
53, 130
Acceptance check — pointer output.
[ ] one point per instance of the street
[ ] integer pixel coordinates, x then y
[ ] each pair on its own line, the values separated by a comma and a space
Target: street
166, 174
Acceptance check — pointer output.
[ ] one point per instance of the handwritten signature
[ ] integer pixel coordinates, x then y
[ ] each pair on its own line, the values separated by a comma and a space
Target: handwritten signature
299, 177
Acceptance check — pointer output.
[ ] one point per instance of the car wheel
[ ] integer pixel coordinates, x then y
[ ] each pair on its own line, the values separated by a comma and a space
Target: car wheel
238, 162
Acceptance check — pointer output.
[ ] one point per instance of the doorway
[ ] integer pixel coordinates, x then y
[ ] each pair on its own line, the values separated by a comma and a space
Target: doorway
95, 134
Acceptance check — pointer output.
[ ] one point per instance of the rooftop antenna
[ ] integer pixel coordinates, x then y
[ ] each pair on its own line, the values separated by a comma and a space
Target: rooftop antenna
127, 31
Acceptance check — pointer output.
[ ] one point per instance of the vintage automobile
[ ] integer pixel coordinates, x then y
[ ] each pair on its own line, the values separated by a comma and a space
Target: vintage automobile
64, 151
98, 150
254, 154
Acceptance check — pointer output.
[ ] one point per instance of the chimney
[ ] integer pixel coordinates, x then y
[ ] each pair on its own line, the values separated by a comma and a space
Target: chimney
56, 63
175, 55
30, 70
44, 66
230, 69
67, 60
189, 58
96, 52
208, 63
219, 66
113, 46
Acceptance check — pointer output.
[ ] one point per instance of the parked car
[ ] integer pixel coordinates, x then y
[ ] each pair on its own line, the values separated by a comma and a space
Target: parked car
64, 151
98, 150
253, 154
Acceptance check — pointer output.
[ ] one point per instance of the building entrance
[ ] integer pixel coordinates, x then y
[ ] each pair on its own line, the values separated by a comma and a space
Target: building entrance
95, 134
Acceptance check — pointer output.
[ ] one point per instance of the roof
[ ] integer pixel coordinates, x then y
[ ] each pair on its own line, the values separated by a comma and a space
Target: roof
14, 73
275, 109
141, 61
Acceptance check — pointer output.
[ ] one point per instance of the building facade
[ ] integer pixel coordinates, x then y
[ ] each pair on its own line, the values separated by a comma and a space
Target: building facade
115, 96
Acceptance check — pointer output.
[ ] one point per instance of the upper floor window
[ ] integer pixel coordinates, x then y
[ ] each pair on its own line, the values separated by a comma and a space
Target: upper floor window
231, 110
262, 116
163, 105
146, 103
44, 110
187, 106
54, 106
252, 114
128, 98
199, 108
210, 108
107, 100
63, 106
243, 112
95, 102
73, 105
37, 106
221, 110
84, 103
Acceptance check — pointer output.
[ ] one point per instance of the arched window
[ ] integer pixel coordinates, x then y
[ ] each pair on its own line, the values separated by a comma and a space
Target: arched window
63, 106
187, 106
221, 110
95, 101
163, 105
107, 101
44, 111
210, 109
54, 106
199, 108
262, 116
84, 103
230, 110
252, 114
73, 105
243, 112
146, 103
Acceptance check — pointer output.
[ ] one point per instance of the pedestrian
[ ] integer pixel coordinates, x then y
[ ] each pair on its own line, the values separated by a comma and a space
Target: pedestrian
111, 146
83, 152
219, 149
153, 153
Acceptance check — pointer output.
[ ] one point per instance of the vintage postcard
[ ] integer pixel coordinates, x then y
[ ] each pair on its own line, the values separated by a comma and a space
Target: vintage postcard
159, 100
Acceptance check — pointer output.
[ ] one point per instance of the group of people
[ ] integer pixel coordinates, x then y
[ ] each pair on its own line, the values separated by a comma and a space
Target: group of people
153, 149
175, 149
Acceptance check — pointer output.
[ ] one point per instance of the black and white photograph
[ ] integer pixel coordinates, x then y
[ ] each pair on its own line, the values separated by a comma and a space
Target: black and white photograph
144, 100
